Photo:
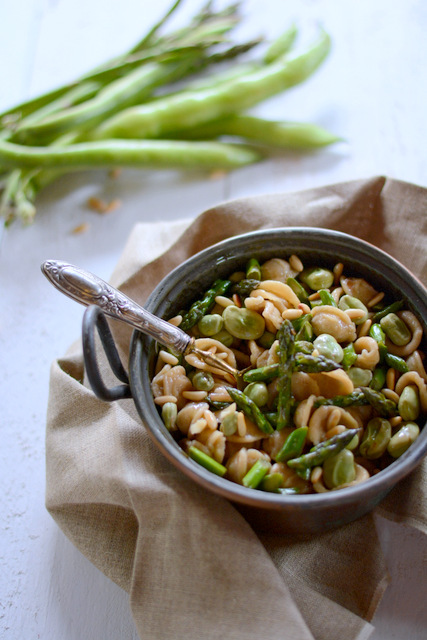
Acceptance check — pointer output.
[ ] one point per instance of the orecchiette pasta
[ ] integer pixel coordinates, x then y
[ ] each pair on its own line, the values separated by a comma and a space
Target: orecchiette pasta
323, 379
333, 321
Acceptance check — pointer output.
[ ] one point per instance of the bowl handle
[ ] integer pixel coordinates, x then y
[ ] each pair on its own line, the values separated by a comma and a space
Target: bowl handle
95, 318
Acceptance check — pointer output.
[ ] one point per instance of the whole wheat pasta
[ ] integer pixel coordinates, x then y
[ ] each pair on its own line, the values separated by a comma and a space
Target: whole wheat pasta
412, 377
415, 362
416, 330
368, 355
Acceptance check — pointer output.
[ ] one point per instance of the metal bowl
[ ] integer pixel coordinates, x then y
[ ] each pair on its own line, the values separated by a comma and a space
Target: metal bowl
269, 511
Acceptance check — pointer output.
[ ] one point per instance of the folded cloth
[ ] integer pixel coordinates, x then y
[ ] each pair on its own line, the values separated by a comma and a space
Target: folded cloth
192, 565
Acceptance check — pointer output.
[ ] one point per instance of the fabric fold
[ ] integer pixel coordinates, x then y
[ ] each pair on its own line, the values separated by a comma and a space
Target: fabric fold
192, 565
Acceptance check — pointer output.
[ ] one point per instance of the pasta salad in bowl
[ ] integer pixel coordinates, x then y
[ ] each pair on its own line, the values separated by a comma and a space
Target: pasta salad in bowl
313, 405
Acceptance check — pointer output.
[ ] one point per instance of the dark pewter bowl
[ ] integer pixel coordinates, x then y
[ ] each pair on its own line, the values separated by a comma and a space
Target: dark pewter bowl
268, 511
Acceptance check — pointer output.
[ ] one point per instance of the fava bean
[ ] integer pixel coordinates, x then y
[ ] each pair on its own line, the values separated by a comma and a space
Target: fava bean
242, 323
327, 346
350, 302
349, 356
257, 392
317, 278
327, 298
169, 413
224, 337
271, 482
340, 469
298, 289
360, 377
210, 324
402, 439
202, 381
229, 424
266, 340
375, 439
303, 328
409, 403
395, 329
379, 377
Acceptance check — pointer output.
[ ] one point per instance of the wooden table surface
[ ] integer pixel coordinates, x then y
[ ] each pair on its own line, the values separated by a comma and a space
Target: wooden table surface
371, 91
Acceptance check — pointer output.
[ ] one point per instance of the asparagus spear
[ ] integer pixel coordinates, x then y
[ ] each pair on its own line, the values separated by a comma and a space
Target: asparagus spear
244, 287
314, 364
250, 409
256, 473
202, 306
355, 399
322, 451
379, 402
286, 349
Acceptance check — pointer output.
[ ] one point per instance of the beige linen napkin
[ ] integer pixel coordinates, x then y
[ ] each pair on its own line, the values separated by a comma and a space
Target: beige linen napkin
192, 565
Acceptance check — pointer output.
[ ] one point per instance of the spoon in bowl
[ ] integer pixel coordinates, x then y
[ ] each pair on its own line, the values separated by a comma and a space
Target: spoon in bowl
88, 289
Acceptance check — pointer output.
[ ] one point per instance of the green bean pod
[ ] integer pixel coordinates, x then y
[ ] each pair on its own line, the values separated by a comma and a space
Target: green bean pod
191, 108
161, 154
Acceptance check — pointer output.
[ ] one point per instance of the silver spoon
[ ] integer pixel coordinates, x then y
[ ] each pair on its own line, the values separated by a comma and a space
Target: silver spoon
86, 288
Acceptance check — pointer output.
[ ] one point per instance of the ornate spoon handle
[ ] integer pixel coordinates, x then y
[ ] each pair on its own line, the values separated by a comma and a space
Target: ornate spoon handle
86, 288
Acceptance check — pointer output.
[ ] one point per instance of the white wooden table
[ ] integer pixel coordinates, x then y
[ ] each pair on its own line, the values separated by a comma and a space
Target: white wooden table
371, 90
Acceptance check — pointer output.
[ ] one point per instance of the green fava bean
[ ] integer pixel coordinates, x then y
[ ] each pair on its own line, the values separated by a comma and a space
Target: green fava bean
379, 378
375, 439
202, 381
229, 424
224, 337
257, 392
349, 356
266, 340
169, 413
409, 403
402, 439
210, 324
317, 278
327, 346
395, 329
340, 469
360, 377
242, 323
350, 302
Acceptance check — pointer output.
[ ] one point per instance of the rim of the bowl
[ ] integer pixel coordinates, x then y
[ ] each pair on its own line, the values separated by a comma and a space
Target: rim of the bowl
381, 483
